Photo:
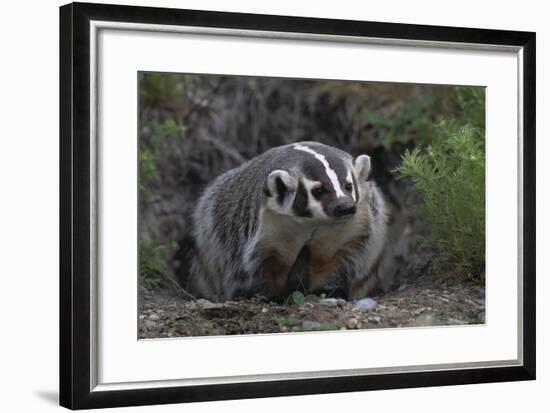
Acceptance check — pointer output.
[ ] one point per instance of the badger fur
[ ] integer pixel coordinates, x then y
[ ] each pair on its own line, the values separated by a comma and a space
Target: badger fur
303, 208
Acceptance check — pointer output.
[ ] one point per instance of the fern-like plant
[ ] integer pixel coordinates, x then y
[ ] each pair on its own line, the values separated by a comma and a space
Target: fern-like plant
450, 175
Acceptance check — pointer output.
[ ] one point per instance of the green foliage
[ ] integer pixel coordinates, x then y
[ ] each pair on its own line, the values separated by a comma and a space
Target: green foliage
450, 175
298, 298
158, 90
161, 99
154, 143
415, 120
152, 255
471, 106
147, 167
288, 321
410, 120
163, 131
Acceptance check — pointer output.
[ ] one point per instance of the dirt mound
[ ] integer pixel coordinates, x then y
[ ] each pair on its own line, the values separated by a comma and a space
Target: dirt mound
427, 302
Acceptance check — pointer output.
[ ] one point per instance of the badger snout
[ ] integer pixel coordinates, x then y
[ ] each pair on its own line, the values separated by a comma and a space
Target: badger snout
344, 209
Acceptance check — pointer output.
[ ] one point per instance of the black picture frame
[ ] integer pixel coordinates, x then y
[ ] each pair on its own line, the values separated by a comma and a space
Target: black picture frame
75, 305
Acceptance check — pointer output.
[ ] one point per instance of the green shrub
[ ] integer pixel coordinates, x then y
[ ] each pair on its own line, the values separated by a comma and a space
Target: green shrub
471, 106
152, 256
159, 89
450, 175
410, 120
413, 120
153, 144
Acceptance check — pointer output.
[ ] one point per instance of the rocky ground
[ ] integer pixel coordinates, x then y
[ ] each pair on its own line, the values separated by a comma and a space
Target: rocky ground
430, 301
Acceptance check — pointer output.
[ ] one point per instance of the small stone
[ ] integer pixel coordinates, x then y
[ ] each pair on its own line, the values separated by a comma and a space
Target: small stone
150, 324
419, 311
376, 319
365, 304
341, 302
311, 325
328, 302
352, 323
142, 316
264, 310
153, 317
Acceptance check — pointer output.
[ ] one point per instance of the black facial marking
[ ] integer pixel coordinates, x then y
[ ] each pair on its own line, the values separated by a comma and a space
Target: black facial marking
318, 192
300, 206
281, 190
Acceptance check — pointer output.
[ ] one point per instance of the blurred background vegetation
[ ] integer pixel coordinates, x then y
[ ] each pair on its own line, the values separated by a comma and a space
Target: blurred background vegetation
426, 143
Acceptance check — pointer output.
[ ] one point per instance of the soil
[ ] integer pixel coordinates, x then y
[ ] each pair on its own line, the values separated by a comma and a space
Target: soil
429, 301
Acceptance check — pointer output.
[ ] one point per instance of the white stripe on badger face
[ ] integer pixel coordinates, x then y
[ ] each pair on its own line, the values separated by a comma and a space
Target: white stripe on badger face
330, 172
349, 179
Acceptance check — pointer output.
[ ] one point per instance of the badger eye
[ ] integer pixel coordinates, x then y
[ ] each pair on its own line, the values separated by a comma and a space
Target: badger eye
317, 192
349, 186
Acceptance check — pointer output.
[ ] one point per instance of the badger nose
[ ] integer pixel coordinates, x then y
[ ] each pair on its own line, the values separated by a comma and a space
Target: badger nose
344, 209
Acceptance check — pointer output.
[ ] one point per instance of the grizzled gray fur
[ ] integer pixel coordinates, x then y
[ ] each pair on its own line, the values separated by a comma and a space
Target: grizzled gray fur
303, 215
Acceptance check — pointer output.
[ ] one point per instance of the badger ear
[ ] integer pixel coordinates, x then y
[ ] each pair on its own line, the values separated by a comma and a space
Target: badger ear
361, 165
281, 187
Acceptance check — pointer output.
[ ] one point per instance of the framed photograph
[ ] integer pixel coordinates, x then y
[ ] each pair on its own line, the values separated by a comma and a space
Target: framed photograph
258, 206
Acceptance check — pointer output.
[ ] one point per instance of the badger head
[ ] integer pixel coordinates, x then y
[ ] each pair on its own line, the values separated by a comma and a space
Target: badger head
324, 184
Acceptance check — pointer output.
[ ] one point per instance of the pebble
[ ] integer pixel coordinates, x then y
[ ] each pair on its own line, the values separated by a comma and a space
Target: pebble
264, 310
328, 302
352, 323
311, 325
419, 311
150, 324
376, 319
142, 316
341, 302
153, 317
365, 304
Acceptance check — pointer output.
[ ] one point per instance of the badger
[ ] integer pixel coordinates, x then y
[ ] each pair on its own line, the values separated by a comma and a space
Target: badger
302, 214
